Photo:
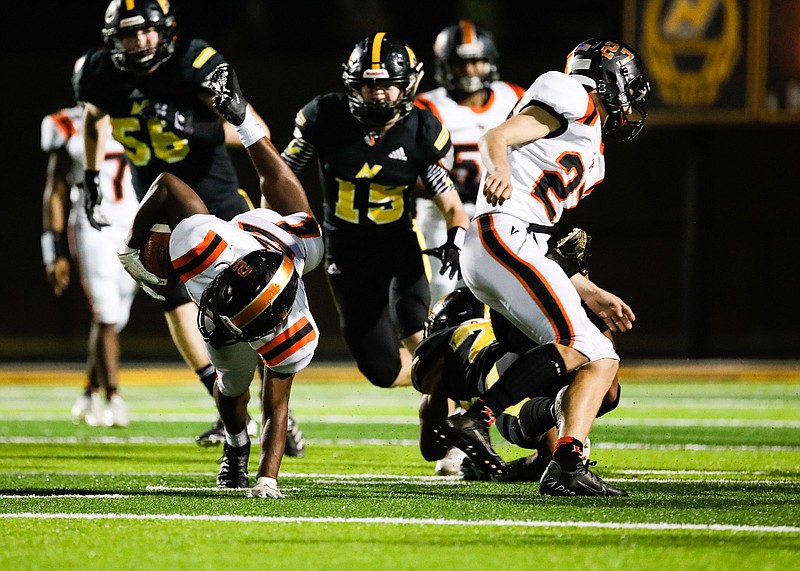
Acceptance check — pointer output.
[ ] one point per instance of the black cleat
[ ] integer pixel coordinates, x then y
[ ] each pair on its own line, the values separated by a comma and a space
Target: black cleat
472, 437
214, 436
233, 467
556, 481
295, 443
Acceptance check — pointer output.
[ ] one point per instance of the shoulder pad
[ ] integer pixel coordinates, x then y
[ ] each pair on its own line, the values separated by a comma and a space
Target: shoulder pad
560, 92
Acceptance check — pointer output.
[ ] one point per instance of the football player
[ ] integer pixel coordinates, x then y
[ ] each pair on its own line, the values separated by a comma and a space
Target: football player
372, 144
470, 100
545, 158
150, 83
108, 288
462, 356
246, 276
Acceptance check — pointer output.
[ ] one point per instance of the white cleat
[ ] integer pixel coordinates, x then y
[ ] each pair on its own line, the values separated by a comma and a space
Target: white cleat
450, 465
116, 413
94, 414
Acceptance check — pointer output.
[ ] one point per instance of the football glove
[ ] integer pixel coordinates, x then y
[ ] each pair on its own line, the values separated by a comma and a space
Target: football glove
449, 252
92, 199
570, 252
228, 97
129, 258
265, 488
210, 132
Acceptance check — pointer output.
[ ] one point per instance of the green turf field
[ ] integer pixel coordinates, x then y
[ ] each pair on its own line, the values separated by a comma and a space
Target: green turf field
713, 469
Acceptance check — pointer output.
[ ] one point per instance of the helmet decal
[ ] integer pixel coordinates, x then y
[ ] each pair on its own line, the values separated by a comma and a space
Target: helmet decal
267, 295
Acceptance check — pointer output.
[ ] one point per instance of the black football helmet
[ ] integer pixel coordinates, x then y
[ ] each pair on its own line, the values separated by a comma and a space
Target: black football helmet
249, 298
380, 59
616, 71
124, 18
462, 42
454, 309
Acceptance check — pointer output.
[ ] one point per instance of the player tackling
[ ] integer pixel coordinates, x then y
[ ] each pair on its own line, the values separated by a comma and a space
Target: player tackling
545, 158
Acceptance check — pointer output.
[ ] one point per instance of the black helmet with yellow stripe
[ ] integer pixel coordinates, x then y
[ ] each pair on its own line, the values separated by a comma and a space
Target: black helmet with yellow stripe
380, 60
126, 18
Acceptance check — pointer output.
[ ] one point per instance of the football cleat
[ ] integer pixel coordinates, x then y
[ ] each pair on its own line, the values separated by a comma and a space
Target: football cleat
89, 409
233, 467
472, 437
295, 443
558, 481
214, 436
450, 465
116, 413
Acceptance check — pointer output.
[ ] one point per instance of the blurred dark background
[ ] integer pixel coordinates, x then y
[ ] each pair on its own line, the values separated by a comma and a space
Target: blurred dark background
695, 225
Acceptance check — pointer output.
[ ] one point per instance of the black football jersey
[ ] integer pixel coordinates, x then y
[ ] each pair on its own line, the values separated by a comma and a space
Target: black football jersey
150, 148
367, 182
470, 359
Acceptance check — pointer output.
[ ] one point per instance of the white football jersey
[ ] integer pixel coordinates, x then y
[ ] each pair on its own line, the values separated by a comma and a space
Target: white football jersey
63, 129
202, 246
466, 125
553, 173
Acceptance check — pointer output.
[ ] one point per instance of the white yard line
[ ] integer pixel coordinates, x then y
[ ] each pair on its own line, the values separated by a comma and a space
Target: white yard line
379, 442
413, 521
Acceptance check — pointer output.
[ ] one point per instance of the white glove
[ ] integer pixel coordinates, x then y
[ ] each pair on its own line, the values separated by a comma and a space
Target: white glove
129, 258
265, 488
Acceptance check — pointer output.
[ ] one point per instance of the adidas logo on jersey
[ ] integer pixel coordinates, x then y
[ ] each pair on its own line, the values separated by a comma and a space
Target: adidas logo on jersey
136, 94
399, 154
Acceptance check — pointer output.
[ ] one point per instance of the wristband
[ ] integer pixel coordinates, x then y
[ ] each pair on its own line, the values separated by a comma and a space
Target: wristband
54, 245
250, 131
456, 236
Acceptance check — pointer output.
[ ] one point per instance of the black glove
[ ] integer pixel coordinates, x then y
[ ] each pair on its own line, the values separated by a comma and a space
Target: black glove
449, 251
92, 199
176, 121
228, 97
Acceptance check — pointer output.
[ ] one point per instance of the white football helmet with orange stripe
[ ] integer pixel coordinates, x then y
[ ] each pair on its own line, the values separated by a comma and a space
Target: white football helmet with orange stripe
248, 299
459, 43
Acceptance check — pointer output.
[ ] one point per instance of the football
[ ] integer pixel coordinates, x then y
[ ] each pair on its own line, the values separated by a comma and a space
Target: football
155, 257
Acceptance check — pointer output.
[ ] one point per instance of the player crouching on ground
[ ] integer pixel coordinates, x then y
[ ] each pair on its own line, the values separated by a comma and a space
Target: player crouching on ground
245, 274
464, 354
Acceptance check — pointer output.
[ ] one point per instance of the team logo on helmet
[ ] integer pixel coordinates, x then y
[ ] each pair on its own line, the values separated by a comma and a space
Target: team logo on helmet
249, 298
380, 59
615, 70
125, 18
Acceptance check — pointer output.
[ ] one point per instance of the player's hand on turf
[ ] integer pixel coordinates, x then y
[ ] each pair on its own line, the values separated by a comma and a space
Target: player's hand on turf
129, 258
92, 199
228, 97
497, 187
265, 488
449, 252
176, 121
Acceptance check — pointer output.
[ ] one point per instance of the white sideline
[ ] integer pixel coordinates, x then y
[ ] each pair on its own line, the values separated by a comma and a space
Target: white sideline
412, 521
